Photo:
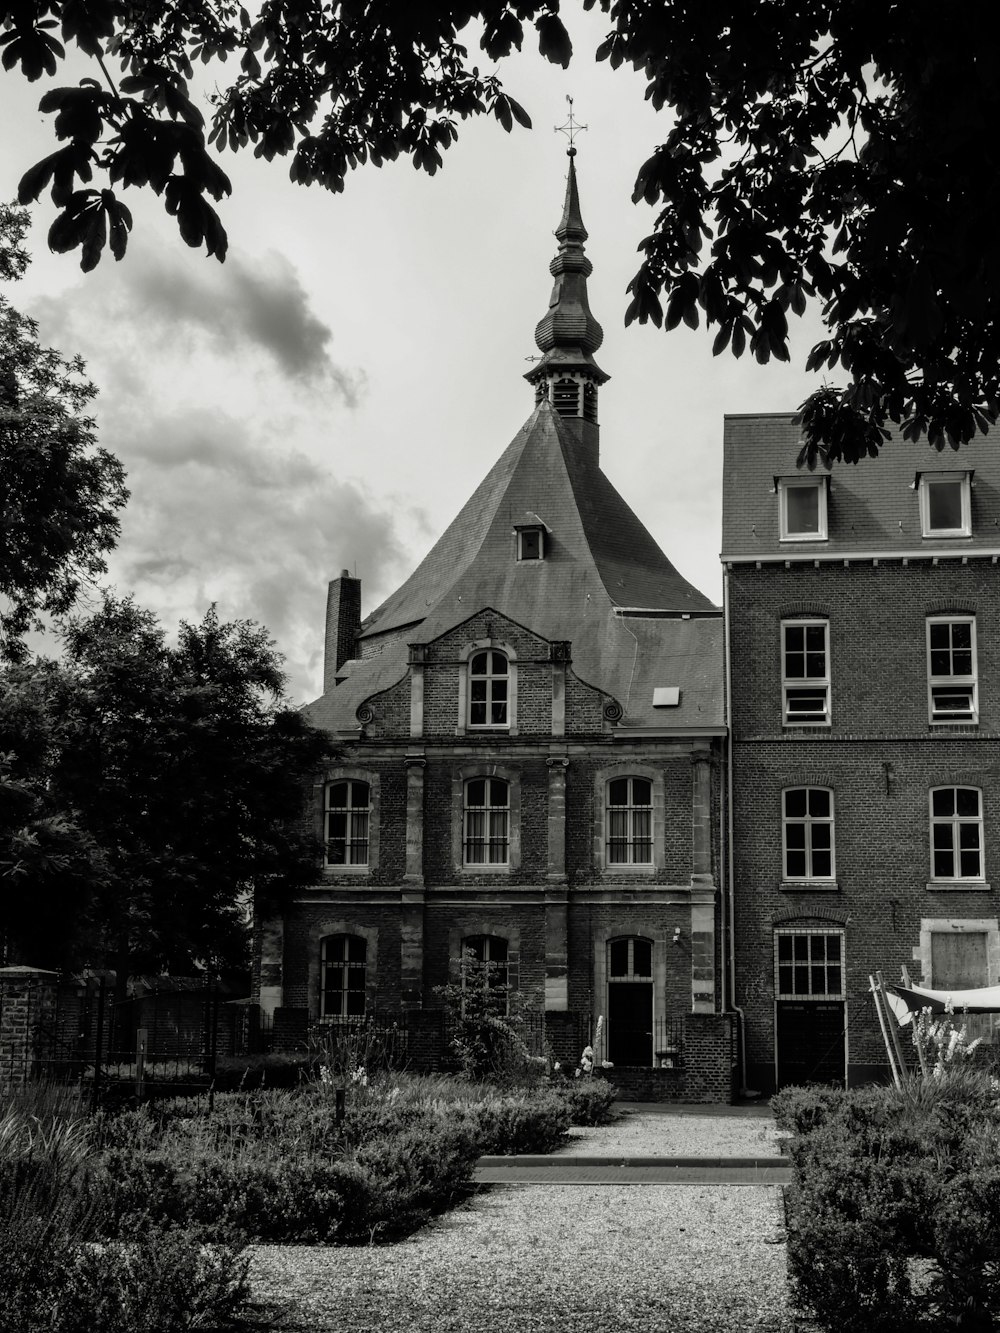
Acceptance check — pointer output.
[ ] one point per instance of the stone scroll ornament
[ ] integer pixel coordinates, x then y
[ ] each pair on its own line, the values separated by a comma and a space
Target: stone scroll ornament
365, 714
613, 711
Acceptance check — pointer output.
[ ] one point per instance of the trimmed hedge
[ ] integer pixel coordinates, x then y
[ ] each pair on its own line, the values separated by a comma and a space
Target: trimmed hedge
894, 1210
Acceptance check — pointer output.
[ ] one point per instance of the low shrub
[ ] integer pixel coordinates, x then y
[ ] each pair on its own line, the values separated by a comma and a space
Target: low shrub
157, 1282
884, 1178
590, 1101
522, 1122
803, 1109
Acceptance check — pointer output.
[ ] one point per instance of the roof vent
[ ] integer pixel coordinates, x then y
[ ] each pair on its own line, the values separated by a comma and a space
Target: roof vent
666, 696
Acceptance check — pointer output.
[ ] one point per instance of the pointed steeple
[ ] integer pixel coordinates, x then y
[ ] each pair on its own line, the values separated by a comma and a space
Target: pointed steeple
568, 334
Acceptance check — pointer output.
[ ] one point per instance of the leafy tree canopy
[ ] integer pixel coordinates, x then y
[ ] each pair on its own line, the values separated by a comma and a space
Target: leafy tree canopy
177, 775
59, 493
843, 153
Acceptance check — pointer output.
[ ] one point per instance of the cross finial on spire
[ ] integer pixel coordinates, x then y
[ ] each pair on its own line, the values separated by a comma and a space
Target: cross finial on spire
570, 129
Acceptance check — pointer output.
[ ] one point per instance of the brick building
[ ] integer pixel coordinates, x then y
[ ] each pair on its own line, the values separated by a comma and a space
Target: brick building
862, 614
530, 735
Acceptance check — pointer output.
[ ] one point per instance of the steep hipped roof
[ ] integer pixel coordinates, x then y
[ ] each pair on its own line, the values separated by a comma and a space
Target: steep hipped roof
634, 623
599, 557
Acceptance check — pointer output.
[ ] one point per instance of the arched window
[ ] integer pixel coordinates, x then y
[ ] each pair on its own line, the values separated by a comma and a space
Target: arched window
957, 833
343, 974
807, 829
630, 959
348, 812
490, 954
629, 822
486, 831
489, 689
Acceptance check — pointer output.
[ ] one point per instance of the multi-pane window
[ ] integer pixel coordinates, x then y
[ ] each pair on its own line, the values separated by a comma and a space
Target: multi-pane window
956, 833
348, 814
487, 822
951, 669
802, 504
807, 833
805, 672
489, 689
491, 952
630, 959
630, 822
343, 972
809, 964
945, 504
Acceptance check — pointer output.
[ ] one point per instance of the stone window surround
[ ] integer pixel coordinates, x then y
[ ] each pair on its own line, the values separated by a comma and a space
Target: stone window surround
353, 774
497, 645
930, 926
626, 768
338, 926
485, 769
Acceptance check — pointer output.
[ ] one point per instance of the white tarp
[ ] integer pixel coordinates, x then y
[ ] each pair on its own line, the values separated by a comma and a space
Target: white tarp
906, 1001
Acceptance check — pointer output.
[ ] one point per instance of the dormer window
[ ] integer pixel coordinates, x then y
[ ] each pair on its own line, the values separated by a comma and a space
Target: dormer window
530, 536
945, 504
802, 506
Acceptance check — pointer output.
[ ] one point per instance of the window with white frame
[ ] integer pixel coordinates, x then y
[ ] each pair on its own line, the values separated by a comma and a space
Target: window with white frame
343, 976
805, 672
807, 833
530, 543
629, 822
486, 825
489, 689
946, 504
951, 669
809, 964
348, 818
957, 833
802, 508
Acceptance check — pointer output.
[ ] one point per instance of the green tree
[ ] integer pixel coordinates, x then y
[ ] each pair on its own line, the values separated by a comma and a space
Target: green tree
59, 494
183, 767
842, 154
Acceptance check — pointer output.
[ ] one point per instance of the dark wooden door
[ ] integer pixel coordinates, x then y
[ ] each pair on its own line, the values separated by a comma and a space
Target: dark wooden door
630, 1023
811, 1043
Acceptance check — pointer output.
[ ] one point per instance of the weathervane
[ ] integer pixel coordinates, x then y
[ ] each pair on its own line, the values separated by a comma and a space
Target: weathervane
570, 129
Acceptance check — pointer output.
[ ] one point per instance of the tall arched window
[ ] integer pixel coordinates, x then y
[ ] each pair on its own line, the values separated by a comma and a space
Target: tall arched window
348, 811
807, 823
489, 689
486, 832
343, 975
957, 833
629, 822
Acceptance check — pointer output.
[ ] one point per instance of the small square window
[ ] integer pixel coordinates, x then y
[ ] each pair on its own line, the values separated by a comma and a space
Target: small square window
802, 504
529, 544
945, 504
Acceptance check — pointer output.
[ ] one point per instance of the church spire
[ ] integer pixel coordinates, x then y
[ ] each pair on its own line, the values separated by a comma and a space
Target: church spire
568, 334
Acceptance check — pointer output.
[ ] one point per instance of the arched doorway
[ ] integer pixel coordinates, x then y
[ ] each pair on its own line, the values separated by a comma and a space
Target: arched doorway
630, 1001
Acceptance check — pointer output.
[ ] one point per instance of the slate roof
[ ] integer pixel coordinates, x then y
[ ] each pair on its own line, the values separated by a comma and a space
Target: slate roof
599, 559
873, 506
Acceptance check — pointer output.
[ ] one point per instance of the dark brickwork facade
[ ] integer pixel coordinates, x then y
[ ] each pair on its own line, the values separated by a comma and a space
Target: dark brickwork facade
880, 757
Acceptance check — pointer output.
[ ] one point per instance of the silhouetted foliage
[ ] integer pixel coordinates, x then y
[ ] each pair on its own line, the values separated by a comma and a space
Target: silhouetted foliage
179, 771
59, 493
843, 154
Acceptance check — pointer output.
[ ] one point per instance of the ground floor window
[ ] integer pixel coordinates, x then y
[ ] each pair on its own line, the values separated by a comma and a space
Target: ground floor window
343, 976
809, 963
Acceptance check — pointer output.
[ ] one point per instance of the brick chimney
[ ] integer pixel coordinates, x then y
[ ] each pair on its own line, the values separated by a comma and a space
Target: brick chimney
343, 620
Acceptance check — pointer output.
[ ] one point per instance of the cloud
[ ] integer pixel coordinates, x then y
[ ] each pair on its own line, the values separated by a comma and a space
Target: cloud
247, 304
217, 518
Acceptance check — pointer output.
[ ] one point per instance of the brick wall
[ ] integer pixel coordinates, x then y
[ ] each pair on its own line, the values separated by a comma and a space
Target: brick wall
880, 757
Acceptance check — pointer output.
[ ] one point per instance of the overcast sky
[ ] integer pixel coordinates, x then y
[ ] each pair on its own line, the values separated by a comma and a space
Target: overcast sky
331, 395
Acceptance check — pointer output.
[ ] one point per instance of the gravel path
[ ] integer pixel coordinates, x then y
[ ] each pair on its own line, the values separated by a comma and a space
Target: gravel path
555, 1259
677, 1135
